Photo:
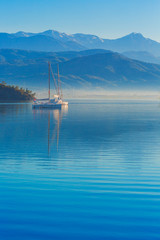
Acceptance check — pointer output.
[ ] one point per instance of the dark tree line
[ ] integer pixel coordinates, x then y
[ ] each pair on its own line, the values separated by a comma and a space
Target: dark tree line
14, 93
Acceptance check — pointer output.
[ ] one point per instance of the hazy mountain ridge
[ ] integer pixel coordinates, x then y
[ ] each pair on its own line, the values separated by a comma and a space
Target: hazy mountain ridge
37, 42
142, 56
87, 69
20, 57
52, 40
112, 70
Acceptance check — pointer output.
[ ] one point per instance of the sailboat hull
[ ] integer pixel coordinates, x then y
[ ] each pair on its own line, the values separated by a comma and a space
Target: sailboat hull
49, 105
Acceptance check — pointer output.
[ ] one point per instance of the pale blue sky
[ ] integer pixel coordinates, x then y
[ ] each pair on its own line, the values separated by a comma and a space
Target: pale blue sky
105, 18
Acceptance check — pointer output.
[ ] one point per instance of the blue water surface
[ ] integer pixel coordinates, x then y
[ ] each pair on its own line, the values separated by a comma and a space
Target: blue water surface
89, 171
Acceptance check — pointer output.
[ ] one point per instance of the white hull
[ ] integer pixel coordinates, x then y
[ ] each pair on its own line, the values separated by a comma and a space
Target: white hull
49, 105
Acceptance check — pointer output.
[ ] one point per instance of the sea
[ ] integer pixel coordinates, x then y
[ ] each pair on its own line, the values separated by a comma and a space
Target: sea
88, 171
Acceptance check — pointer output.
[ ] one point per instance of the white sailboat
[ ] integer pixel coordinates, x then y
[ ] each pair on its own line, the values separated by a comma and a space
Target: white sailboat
56, 101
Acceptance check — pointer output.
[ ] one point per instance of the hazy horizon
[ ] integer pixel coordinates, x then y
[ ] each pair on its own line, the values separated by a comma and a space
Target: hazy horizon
103, 94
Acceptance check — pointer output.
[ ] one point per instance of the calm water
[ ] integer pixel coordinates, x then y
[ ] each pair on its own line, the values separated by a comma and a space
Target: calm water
91, 171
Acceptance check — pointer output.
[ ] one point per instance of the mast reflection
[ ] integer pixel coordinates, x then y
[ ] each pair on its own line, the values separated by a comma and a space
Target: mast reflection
54, 123
53, 136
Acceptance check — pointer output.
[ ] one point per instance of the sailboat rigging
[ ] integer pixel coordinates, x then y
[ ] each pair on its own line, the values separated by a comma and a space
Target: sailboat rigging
49, 102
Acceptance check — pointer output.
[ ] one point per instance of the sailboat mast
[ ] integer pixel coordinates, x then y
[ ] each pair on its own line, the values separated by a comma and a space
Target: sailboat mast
59, 83
49, 85
58, 77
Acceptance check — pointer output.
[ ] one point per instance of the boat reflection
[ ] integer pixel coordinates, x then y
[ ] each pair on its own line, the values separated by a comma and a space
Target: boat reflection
55, 117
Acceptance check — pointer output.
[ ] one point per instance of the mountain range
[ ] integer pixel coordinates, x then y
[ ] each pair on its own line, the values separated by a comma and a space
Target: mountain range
85, 61
84, 69
55, 41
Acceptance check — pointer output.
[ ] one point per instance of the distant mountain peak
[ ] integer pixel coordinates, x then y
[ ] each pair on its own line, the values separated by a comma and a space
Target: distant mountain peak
57, 35
135, 35
23, 34
50, 31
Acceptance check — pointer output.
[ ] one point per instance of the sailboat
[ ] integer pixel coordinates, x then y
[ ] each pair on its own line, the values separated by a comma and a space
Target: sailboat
56, 101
